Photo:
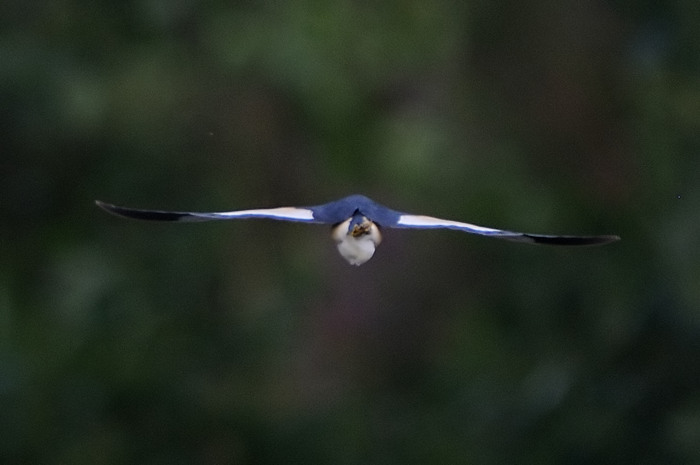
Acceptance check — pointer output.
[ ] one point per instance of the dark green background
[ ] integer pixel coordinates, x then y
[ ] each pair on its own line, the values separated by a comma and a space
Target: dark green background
254, 342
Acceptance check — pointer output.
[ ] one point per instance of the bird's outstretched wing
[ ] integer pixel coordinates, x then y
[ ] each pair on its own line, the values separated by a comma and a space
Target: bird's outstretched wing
333, 212
282, 213
429, 222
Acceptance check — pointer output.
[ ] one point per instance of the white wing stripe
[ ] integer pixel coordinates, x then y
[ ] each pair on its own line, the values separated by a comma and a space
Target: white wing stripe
282, 212
431, 222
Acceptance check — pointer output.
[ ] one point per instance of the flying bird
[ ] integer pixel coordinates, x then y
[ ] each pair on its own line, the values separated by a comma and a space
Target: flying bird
356, 222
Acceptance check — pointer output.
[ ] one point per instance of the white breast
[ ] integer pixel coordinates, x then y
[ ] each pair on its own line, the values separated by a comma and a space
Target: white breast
356, 249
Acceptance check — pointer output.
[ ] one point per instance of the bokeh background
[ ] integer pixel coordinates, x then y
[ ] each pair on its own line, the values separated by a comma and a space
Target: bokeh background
253, 342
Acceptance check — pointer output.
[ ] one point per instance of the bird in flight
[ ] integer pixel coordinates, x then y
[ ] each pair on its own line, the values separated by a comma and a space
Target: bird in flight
356, 222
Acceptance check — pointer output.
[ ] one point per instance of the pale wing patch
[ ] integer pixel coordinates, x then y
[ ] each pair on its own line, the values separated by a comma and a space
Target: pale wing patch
421, 221
290, 213
281, 213
427, 222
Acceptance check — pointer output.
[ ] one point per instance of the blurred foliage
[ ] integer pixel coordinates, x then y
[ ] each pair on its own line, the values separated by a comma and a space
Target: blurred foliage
254, 342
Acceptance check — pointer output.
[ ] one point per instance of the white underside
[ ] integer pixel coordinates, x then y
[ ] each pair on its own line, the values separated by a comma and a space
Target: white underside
356, 249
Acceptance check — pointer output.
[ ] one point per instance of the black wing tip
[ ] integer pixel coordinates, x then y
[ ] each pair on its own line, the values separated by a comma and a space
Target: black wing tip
149, 215
108, 207
572, 240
